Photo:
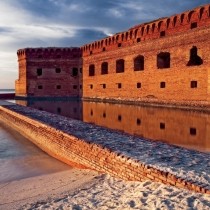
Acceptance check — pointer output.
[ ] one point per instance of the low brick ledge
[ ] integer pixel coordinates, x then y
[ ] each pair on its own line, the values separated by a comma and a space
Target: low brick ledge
82, 145
201, 106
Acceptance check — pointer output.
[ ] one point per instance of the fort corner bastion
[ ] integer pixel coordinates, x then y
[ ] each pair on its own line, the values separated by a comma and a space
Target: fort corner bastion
163, 61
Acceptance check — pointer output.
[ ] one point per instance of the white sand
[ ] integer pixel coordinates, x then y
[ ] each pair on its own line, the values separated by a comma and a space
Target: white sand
14, 194
85, 189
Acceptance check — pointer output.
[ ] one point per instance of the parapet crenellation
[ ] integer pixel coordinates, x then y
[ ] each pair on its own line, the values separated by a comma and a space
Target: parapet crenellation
159, 28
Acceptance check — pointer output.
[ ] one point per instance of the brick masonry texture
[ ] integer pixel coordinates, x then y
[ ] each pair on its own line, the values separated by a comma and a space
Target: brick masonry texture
124, 156
185, 78
49, 72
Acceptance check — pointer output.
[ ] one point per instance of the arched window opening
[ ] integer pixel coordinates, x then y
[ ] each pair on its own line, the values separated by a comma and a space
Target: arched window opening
120, 66
131, 34
153, 27
195, 60
201, 12
122, 37
175, 20
142, 31
104, 68
92, 70
190, 15
168, 23
182, 18
126, 36
147, 29
163, 60
139, 63
136, 31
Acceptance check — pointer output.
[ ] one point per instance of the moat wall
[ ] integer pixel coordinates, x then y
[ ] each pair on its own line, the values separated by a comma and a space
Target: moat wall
80, 153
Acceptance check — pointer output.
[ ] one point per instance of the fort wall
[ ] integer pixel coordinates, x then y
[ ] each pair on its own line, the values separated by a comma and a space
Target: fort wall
81, 153
49, 72
173, 67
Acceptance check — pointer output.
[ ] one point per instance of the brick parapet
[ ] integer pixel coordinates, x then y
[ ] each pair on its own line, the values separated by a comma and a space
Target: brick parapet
179, 23
84, 153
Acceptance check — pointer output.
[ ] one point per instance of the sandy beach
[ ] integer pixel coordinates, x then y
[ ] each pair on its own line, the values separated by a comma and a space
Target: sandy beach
84, 189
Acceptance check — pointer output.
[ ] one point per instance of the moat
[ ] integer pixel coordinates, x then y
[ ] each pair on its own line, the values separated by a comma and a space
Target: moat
187, 129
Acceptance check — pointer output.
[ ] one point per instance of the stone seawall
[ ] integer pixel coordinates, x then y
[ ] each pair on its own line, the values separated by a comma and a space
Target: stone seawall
89, 146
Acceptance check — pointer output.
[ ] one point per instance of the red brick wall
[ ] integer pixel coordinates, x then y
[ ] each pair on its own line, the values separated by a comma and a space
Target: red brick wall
177, 78
72, 150
178, 41
48, 59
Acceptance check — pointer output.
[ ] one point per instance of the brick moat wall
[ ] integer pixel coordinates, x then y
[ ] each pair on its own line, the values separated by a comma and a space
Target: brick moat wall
78, 152
49, 72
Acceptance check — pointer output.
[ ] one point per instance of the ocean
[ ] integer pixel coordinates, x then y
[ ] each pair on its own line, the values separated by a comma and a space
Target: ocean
19, 158
7, 91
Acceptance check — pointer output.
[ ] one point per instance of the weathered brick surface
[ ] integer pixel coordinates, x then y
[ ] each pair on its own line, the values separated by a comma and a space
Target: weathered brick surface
175, 35
30, 84
178, 41
82, 153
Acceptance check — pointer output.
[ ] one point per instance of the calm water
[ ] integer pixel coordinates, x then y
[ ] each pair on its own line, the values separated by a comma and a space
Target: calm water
7, 91
19, 158
184, 128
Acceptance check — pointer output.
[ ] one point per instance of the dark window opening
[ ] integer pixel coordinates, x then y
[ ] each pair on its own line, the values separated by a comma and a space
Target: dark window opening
58, 110
138, 121
91, 112
104, 68
193, 25
39, 72
91, 86
40, 87
139, 63
163, 60
162, 126
138, 85
91, 52
92, 70
162, 33
58, 70
194, 84
74, 72
162, 85
74, 86
120, 65
104, 115
138, 40
119, 45
193, 131
195, 60
119, 118
104, 86
104, 49
58, 87
119, 85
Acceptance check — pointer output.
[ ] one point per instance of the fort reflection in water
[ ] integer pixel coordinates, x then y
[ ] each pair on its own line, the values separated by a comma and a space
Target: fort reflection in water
184, 128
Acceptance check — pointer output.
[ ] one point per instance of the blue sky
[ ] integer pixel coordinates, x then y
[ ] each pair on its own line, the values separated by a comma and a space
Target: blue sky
50, 23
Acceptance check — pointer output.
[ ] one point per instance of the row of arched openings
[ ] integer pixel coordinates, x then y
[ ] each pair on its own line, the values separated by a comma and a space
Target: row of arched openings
163, 61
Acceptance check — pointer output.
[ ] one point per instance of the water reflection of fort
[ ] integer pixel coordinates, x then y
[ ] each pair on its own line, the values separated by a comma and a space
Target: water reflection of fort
185, 128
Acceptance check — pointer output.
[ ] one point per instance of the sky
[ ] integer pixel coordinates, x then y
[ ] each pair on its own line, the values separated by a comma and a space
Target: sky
66, 23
